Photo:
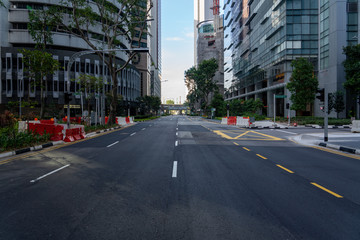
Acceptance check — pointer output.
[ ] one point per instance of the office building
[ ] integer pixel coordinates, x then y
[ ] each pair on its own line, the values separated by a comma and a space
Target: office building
202, 11
262, 38
14, 83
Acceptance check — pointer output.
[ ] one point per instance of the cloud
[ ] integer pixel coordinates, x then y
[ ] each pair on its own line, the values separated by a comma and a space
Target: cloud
189, 34
174, 39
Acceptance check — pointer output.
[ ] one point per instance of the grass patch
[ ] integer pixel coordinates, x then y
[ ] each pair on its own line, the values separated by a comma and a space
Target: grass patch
146, 119
89, 129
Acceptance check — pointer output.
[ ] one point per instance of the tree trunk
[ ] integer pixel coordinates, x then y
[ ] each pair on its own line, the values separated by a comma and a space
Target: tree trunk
114, 100
42, 100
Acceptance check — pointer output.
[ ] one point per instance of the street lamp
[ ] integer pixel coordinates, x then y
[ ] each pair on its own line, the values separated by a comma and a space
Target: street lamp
86, 52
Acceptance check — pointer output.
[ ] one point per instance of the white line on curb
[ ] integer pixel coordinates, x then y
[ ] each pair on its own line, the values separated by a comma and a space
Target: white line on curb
286, 132
35, 180
112, 144
132, 134
176, 143
174, 173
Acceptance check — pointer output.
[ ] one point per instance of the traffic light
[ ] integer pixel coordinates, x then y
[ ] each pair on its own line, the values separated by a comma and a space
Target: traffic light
67, 97
320, 94
227, 106
287, 105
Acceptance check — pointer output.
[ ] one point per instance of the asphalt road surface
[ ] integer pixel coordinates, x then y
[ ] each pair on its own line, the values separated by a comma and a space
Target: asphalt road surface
180, 177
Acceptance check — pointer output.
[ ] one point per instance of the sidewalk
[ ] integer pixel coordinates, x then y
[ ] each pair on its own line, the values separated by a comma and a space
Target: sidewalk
347, 142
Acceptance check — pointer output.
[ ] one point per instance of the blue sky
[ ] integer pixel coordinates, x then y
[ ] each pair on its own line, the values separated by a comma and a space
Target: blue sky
177, 46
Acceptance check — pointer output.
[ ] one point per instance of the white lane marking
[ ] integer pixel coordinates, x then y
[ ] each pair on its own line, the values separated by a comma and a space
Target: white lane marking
174, 172
132, 134
286, 132
150, 125
112, 144
176, 133
143, 129
177, 129
176, 143
35, 180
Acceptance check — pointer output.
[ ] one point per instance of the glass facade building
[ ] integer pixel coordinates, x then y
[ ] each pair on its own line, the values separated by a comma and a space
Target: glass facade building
265, 36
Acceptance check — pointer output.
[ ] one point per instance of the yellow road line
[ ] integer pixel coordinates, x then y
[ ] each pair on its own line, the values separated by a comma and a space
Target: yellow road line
269, 136
284, 168
327, 190
338, 153
236, 143
261, 156
241, 135
246, 149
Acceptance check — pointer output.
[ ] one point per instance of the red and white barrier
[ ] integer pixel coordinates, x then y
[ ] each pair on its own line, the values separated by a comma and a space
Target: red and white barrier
243, 121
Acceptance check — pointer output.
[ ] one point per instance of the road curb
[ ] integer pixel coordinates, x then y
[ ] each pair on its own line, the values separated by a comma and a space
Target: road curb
340, 148
102, 131
29, 149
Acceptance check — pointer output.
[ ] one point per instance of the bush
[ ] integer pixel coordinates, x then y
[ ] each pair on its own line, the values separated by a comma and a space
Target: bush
11, 139
94, 128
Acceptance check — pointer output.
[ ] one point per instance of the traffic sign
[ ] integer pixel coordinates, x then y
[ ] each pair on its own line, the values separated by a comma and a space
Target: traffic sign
280, 96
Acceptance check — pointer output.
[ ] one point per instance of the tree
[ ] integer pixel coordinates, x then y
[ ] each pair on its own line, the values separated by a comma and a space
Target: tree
170, 102
219, 104
303, 84
339, 104
90, 85
149, 104
41, 23
118, 20
352, 66
201, 80
39, 65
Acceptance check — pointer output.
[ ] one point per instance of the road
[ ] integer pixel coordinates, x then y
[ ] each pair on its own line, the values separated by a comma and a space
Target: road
181, 177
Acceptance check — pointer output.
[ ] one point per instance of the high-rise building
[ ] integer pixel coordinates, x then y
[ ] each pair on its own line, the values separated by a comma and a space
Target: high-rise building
14, 36
202, 11
262, 38
155, 49
339, 27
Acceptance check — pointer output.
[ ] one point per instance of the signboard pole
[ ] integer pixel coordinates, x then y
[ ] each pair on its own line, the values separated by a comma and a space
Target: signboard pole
274, 107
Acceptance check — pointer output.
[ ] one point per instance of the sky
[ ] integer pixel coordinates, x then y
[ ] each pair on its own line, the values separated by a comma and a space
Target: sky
177, 35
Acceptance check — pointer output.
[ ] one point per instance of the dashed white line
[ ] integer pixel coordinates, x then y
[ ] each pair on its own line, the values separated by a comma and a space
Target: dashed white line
143, 129
35, 180
285, 131
132, 134
112, 144
174, 172
177, 133
177, 129
176, 143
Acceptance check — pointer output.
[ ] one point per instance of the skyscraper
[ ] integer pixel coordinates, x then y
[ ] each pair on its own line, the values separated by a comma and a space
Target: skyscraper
202, 11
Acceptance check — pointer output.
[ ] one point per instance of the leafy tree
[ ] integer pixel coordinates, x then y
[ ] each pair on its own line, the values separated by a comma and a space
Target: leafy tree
245, 107
201, 80
219, 104
90, 85
170, 102
149, 104
41, 23
339, 104
352, 66
118, 20
39, 65
303, 84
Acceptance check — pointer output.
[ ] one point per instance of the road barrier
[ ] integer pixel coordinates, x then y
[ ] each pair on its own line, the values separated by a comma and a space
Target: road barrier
243, 121
355, 126
224, 121
55, 131
231, 120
